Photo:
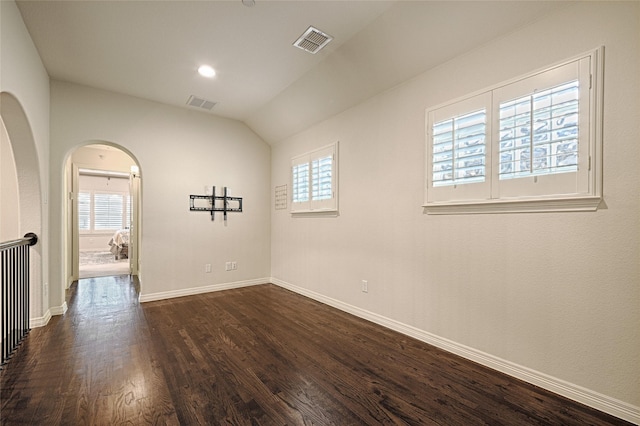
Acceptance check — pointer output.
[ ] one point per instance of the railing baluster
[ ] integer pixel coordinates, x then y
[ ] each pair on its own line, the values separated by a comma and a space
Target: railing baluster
5, 308
14, 295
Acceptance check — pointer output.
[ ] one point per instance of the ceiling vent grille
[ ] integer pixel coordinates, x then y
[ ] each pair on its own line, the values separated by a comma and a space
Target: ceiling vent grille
197, 102
313, 40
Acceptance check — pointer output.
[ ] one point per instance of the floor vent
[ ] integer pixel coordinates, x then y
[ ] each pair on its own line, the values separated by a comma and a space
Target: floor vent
197, 102
313, 40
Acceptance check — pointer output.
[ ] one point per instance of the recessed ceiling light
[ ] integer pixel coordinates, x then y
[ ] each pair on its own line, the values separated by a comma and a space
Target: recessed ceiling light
206, 71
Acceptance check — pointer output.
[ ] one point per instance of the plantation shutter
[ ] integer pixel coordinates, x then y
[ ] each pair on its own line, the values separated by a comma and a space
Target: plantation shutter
321, 178
459, 149
108, 211
458, 165
542, 129
84, 211
300, 184
314, 180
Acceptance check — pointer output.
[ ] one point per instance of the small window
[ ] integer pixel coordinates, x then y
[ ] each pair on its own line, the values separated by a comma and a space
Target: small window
314, 181
532, 144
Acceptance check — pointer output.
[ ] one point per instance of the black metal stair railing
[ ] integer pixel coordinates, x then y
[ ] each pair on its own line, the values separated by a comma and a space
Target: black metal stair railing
14, 299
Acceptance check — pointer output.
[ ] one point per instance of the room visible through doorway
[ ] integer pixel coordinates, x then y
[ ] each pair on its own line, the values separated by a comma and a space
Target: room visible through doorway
104, 210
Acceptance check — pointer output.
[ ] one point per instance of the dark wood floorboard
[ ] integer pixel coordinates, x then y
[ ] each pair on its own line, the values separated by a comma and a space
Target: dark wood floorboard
253, 356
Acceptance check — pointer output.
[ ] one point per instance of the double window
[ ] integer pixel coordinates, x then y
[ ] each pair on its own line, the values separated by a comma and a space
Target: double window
528, 145
314, 181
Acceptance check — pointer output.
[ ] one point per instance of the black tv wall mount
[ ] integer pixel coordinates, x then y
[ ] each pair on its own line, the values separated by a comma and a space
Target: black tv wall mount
214, 203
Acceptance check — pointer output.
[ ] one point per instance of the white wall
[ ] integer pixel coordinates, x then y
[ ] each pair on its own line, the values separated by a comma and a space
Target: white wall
557, 294
24, 94
10, 202
98, 158
179, 152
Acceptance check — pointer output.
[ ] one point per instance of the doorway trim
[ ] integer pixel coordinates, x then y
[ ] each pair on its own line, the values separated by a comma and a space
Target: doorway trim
71, 237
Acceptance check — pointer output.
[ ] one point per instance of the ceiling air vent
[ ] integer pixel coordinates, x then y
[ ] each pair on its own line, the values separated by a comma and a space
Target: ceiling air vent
197, 102
313, 40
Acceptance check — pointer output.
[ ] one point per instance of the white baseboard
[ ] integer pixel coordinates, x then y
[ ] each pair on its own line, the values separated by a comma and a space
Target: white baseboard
199, 290
577, 393
40, 321
59, 310
44, 320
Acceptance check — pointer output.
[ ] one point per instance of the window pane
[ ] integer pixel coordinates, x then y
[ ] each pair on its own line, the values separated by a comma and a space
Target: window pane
108, 211
545, 123
84, 211
321, 169
459, 149
300, 183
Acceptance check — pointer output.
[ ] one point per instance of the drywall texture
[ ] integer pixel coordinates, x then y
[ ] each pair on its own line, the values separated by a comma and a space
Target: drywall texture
24, 105
179, 152
555, 293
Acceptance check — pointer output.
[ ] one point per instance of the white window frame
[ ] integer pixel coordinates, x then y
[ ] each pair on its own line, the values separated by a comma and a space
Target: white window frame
571, 191
304, 199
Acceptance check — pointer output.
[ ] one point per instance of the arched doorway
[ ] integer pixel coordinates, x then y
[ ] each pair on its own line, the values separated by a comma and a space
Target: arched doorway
24, 205
102, 212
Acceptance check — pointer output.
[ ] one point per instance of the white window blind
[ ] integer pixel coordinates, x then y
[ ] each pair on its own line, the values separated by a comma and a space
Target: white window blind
300, 183
100, 211
459, 165
108, 211
84, 211
322, 178
459, 149
314, 181
545, 124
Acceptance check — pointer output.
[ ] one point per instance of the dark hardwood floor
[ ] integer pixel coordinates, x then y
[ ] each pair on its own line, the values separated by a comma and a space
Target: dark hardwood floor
256, 356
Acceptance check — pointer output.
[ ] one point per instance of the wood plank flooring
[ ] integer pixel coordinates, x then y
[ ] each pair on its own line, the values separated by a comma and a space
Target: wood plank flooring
253, 356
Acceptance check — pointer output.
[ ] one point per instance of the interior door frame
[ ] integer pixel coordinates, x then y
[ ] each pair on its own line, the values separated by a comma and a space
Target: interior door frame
73, 234
75, 231
134, 222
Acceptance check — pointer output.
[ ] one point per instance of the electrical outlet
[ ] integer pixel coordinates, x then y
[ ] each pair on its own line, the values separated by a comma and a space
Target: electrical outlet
365, 286
207, 268
234, 265
46, 289
227, 266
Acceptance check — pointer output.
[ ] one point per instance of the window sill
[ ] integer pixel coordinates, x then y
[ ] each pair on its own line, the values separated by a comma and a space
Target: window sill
538, 205
310, 213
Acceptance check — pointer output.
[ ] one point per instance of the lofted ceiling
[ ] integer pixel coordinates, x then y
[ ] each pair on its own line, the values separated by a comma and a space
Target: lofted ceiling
152, 49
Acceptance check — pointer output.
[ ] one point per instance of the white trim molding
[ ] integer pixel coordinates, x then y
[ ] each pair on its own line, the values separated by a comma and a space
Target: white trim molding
44, 320
59, 310
40, 321
572, 391
560, 204
199, 290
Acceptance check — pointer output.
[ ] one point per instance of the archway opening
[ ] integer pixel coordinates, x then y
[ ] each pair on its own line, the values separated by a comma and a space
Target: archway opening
23, 206
103, 211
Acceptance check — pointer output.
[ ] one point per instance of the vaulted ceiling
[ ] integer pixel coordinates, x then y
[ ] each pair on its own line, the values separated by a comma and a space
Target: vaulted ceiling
152, 49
